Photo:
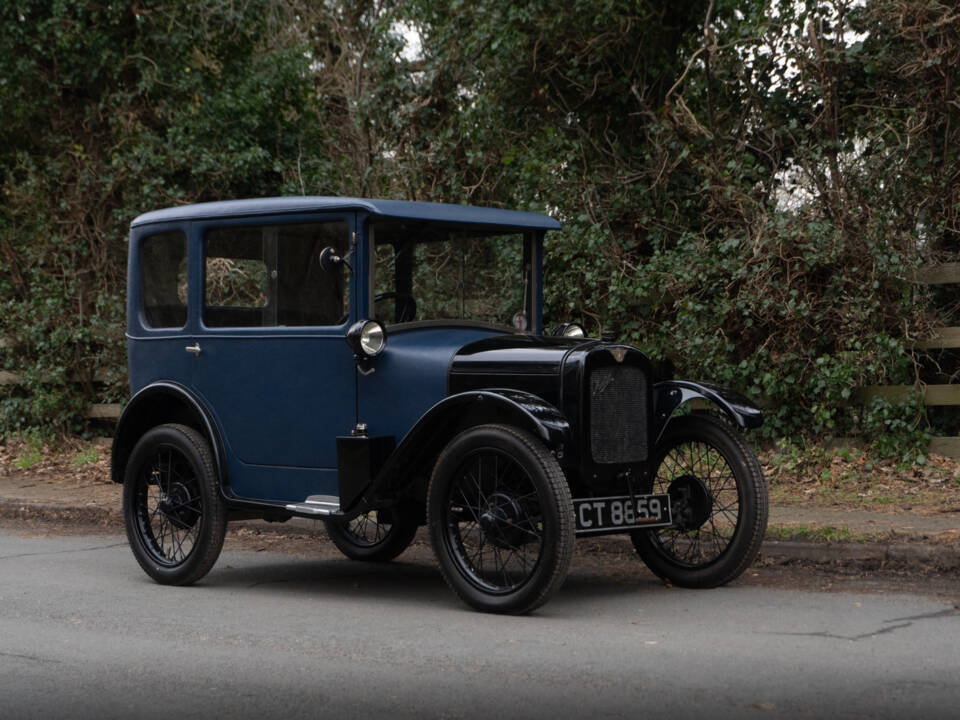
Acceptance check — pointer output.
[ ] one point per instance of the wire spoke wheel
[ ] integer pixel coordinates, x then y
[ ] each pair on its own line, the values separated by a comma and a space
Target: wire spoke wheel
500, 519
374, 536
701, 537
719, 501
174, 514
169, 508
370, 528
494, 522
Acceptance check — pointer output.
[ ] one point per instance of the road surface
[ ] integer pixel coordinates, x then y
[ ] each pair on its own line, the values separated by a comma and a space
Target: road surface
85, 634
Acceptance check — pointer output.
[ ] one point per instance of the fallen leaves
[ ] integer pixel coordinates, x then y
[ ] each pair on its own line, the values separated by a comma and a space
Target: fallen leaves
857, 478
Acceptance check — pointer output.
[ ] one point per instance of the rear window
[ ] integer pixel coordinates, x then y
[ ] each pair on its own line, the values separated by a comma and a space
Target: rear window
163, 268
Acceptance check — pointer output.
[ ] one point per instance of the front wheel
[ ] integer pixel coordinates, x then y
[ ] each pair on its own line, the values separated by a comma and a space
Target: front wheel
376, 536
501, 519
172, 508
719, 500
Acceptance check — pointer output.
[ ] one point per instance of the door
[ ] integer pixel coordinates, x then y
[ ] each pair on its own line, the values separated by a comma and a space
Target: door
273, 364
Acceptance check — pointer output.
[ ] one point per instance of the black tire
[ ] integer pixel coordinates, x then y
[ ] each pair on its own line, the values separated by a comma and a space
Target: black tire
723, 516
376, 536
501, 519
172, 507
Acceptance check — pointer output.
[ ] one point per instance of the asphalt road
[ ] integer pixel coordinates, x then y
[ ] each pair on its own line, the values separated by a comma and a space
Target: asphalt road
85, 634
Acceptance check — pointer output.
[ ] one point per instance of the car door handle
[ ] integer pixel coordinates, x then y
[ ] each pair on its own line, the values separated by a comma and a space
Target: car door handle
195, 349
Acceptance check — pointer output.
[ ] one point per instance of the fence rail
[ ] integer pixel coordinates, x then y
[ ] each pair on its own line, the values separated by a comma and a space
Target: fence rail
96, 411
944, 338
933, 395
943, 274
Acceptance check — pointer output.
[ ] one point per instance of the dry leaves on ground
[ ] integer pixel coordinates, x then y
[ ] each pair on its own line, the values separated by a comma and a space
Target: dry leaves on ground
858, 478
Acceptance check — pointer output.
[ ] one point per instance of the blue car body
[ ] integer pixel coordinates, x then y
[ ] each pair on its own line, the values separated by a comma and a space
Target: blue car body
367, 360
274, 400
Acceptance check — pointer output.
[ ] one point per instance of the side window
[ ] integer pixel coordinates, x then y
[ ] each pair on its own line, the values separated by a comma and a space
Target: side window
163, 274
270, 276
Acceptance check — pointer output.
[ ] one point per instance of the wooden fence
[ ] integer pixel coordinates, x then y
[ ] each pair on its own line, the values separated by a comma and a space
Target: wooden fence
97, 411
945, 338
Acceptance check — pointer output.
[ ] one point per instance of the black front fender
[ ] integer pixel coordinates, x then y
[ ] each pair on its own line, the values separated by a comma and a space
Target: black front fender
670, 395
416, 453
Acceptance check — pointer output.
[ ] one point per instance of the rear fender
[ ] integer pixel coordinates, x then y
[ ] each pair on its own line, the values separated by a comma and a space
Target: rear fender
156, 404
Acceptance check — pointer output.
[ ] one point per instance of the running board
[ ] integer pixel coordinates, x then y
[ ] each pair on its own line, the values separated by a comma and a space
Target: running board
317, 505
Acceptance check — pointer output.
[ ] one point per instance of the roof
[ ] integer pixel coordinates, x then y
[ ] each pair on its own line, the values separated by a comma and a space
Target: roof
395, 209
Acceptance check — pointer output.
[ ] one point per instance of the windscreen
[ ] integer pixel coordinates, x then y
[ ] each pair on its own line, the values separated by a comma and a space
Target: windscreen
455, 275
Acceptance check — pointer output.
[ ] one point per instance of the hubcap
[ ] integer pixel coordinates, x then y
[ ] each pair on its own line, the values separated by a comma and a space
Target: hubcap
705, 500
176, 506
499, 522
690, 501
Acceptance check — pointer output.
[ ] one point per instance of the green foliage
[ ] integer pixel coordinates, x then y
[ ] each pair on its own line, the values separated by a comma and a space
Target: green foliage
86, 456
743, 193
108, 110
794, 457
31, 455
897, 430
736, 198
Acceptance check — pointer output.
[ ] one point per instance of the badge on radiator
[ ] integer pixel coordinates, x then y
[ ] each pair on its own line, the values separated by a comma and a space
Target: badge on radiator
618, 353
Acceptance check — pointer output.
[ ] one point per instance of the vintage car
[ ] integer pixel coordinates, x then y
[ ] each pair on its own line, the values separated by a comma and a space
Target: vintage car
382, 365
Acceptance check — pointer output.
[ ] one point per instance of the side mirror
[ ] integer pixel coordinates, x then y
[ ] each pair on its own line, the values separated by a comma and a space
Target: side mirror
330, 261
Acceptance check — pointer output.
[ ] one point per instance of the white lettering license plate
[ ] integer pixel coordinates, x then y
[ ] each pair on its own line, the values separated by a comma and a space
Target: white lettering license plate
621, 514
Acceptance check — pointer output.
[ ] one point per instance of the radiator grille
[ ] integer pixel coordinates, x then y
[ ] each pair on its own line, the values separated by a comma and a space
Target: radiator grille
618, 414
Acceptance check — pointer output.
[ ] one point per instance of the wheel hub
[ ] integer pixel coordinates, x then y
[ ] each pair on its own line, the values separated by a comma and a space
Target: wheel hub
175, 505
690, 501
499, 521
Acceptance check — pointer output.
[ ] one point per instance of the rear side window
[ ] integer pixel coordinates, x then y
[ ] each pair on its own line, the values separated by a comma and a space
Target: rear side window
163, 273
270, 276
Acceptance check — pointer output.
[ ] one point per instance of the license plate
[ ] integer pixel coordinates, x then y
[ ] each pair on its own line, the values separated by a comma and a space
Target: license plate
621, 514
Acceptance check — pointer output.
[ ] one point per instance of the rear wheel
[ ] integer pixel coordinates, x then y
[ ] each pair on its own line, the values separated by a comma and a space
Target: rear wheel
501, 519
174, 515
376, 536
719, 501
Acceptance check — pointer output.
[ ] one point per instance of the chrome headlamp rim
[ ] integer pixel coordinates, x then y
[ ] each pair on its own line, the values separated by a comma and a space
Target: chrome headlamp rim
570, 330
373, 338
367, 338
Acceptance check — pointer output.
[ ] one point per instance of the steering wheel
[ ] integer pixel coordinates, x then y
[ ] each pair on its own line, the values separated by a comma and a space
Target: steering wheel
406, 306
